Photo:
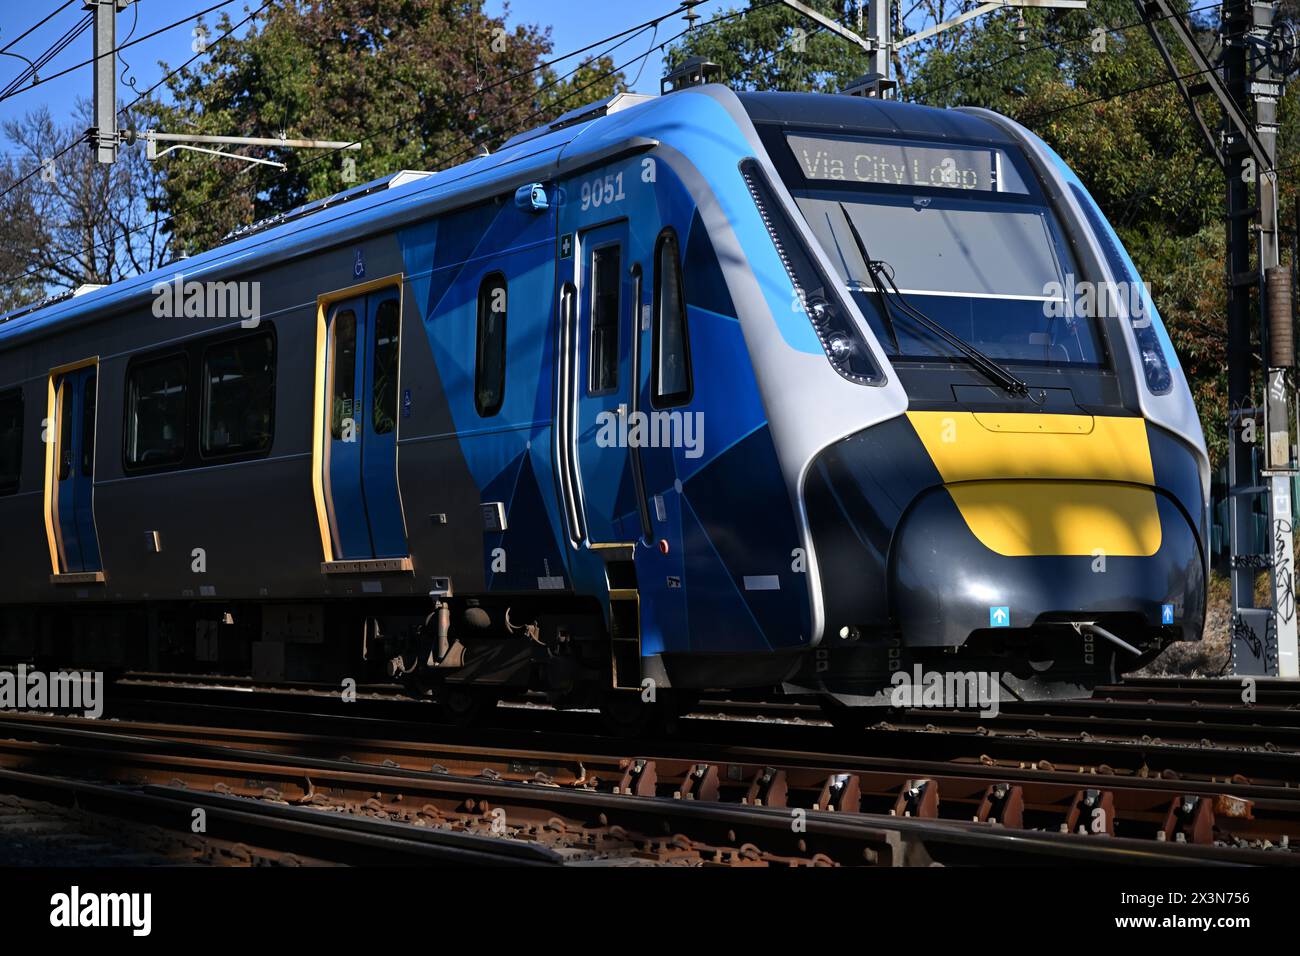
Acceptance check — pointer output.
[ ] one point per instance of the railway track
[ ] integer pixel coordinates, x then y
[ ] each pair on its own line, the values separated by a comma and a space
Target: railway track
1175, 768
1271, 730
1194, 691
1083, 738
1173, 699
678, 802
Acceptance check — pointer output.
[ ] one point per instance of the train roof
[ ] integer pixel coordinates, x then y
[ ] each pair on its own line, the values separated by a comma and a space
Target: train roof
868, 113
536, 155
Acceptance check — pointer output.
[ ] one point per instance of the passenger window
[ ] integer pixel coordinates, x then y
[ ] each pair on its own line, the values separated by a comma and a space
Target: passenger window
155, 411
670, 346
606, 274
345, 371
384, 399
490, 359
239, 396
11, 440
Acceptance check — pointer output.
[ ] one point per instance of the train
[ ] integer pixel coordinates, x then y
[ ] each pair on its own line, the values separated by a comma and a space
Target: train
711, 392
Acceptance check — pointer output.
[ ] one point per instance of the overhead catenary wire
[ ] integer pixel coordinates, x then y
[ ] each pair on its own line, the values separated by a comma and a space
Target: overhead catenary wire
117, 49
37, 25
45, 163
1105, 98
49, 54
201, 53
31, 71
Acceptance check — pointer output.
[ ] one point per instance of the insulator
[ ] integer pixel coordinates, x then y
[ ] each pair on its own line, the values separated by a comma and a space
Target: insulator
1281, 321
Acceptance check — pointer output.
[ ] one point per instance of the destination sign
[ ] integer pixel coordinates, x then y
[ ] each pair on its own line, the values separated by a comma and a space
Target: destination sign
905, 164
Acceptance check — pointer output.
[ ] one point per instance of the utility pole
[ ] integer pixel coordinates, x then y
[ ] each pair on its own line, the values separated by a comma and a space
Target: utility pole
1251, 80
1261, 450
879, 44
880, 34
1254, 641
103, 135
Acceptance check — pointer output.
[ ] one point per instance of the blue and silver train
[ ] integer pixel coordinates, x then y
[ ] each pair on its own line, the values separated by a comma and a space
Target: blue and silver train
746, 392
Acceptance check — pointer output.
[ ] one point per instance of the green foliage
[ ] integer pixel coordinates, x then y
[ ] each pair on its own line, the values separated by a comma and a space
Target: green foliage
421, 83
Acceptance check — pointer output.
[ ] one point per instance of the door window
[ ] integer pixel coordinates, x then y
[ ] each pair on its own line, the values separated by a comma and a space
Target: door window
384, 397
606, 274
345, 373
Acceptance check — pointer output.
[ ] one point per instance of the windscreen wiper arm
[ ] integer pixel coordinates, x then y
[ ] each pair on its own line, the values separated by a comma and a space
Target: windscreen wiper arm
877, 268
990, 367
875, 284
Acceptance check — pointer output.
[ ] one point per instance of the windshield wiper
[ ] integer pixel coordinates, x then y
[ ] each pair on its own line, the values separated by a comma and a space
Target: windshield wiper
877, 268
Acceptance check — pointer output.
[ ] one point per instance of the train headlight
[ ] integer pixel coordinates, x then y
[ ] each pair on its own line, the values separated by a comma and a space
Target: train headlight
819, 311
1154, 366
840, 337
841, 349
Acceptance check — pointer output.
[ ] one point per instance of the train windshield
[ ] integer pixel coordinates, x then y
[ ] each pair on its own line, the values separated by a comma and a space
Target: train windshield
964, 233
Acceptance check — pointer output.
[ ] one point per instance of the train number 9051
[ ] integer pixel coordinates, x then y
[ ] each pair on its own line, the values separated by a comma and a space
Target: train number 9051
602, 191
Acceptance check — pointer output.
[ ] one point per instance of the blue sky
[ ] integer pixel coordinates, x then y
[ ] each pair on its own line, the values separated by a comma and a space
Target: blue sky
574, 24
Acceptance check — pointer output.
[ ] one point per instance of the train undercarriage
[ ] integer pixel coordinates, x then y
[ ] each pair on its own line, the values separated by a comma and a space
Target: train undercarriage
469, 653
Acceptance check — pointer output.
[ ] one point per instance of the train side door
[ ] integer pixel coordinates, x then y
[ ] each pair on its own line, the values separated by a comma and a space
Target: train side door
603, 385
361, 495
73, 515
379, 449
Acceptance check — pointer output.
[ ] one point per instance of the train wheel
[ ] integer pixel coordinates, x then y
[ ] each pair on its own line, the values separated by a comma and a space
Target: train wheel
467, 706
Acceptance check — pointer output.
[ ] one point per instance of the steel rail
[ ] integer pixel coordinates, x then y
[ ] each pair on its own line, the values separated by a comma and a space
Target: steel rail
135, 754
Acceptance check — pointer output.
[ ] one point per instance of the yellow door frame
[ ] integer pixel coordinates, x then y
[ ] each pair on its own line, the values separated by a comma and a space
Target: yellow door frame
329, 563
53, 436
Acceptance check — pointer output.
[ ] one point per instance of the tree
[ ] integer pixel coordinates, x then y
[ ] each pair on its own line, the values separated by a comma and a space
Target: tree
72, 220
19, 243
422, 84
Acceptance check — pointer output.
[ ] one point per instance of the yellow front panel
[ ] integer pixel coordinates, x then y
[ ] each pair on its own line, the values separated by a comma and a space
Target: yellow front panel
971, 447
1030, 484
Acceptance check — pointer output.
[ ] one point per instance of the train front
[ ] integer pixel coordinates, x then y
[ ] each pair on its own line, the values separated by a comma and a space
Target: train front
1025, 503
